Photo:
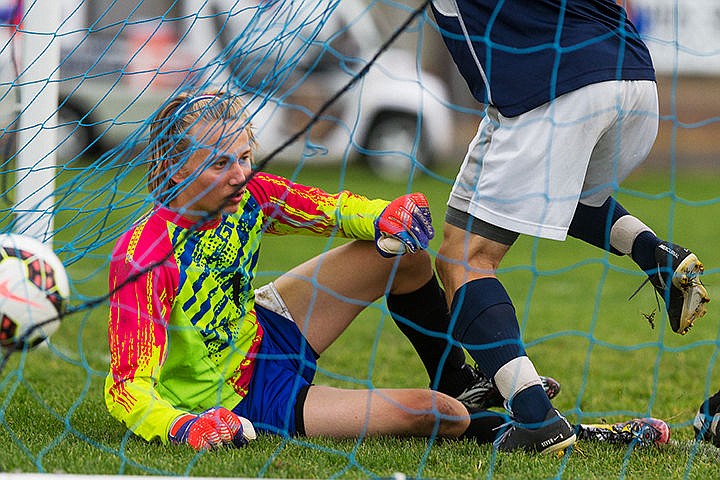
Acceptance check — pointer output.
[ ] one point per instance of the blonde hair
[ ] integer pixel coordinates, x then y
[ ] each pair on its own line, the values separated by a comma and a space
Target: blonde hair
170, 127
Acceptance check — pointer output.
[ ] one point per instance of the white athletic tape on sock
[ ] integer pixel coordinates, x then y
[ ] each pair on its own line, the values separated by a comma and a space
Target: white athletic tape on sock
624, 232
714, 424
515, 376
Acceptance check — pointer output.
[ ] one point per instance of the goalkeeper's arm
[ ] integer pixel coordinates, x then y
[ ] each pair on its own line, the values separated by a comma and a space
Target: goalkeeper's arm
401, 226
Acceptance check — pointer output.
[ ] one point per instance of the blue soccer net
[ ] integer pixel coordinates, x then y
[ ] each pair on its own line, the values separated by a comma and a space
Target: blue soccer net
343, 94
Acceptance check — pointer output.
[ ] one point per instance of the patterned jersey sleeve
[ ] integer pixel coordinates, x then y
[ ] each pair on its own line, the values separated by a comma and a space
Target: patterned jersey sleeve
296, 208
143, 280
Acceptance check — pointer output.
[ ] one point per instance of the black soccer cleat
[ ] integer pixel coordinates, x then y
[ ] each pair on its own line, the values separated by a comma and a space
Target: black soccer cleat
482, 393
707, 420
554, 433
677, 282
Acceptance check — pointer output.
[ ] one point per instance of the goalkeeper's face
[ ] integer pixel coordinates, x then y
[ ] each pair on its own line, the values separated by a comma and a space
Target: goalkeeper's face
219, 162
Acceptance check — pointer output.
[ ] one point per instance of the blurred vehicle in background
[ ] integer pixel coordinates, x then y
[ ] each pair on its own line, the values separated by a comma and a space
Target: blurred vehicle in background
395, 114
287, 60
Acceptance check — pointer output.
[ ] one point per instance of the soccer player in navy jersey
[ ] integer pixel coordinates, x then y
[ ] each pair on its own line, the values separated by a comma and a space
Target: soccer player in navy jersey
571, 110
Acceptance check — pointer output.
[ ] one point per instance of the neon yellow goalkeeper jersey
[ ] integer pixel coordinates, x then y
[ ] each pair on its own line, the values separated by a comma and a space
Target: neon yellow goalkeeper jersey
182, 325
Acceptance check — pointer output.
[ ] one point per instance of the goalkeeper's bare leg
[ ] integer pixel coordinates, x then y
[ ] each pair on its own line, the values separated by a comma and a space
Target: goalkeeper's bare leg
329, 291
324, 295
343, 281
344, 413
336, 412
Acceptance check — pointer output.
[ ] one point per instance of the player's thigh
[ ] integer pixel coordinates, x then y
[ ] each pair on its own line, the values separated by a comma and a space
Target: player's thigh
327, 292
625, 144
528, 171
349, 413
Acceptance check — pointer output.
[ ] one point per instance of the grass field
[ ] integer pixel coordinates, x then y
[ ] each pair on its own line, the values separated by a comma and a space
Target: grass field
571, 299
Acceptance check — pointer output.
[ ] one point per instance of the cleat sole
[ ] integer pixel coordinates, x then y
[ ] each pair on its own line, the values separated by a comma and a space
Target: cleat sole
695, 296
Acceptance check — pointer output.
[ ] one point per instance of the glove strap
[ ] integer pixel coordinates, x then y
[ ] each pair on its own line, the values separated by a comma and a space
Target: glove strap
179, 428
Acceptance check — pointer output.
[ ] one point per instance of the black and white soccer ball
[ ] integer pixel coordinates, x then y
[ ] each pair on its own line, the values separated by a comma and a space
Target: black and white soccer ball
34, 291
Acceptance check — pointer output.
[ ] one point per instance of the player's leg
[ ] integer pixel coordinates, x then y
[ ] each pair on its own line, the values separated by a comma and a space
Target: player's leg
506, 186
281, 397
338, 412
423, 316
601, 221
673, 270
487, 325
326, 293
343, 413
282, 383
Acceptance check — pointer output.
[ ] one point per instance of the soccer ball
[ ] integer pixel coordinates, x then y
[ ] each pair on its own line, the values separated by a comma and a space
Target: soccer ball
33, 291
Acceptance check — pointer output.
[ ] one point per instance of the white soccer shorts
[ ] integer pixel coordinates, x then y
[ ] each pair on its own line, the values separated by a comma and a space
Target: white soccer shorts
527, 173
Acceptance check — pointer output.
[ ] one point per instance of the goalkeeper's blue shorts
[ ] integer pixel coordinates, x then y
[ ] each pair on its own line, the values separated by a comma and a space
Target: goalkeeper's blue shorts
284, 369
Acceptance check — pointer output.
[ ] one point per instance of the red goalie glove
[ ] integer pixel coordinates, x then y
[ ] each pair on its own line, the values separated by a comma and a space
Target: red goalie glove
212, 428
405, 226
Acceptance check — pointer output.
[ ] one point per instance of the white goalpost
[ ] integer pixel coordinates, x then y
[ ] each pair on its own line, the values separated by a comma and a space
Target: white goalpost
356, 96
37, 136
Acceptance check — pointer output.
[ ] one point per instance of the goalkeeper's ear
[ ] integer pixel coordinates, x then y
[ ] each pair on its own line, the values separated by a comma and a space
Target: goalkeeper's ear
180, 175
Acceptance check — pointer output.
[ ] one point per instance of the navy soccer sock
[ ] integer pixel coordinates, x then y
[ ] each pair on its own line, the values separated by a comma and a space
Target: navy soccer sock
485, 323
643, 250
593, 224
530, 405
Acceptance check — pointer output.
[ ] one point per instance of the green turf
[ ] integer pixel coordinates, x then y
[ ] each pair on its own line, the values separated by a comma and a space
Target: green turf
571, 299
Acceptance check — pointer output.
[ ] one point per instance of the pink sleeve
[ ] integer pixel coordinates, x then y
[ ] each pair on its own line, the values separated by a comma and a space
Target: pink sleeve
294, 207
143, 280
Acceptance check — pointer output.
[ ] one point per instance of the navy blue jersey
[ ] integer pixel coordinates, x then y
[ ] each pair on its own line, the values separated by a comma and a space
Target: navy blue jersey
527, 52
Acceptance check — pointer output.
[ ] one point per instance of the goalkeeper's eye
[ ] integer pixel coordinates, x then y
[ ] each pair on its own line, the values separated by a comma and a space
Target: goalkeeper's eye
246, 160
225, 161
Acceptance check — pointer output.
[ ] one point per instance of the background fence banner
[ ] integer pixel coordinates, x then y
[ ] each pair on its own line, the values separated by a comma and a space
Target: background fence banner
683, 36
